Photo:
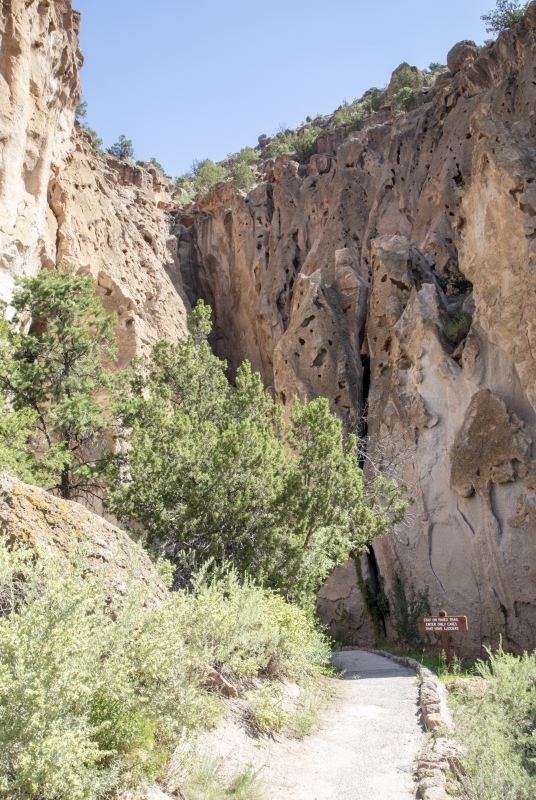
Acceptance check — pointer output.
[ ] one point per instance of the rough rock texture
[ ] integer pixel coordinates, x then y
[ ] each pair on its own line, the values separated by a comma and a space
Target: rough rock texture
339, 278
110, 219
39, 89
62, 203
49, 525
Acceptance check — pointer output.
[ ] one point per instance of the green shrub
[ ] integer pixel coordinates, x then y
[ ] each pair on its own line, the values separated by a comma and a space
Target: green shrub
265, 705
372, 100
496, 727
352, 115
305, 144
280, 145
504, 16
405, 98
243, 176
207, 174
156, 164
405, 608
94, 690
240, 628
246, 156
457, 326
406, 78
212, 472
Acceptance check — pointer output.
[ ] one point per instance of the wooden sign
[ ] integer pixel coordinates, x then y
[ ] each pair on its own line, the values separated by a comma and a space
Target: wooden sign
440, 624
444, 625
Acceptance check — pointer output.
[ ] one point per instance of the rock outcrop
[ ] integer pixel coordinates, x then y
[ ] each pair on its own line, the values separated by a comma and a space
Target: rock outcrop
393, 274
60, 202
345, 278
66, 531
39, 89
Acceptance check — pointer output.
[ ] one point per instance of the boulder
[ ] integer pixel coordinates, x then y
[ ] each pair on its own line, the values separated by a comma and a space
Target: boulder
51, 526
462, 55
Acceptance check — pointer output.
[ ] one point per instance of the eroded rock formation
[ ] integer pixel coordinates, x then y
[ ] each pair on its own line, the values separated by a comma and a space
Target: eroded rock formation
340, 278
60, 202
67, 532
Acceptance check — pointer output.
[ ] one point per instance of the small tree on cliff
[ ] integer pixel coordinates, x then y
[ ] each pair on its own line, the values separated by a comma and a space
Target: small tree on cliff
53, 378
505, 14
123, 149
211, 472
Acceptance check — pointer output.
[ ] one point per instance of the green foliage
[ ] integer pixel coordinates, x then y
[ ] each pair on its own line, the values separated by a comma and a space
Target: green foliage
81, 110
246, 156
207, 175
376, 600
157, 165
122, 149
242, 629
280, 145
352, 115
504, 16
435, 65
372, 100
52, 378
496, 727
405, 98
305, 144
204, 175
406, 607
457, 326
94, 691
204, 783
267, 710
243, 176
406, 78
404, 85
96, 141
211, 471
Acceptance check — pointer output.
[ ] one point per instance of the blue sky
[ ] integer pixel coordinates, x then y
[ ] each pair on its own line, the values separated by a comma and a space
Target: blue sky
201, 79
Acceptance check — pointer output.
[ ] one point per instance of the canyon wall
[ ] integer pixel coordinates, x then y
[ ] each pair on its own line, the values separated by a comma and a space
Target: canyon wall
336, 278
340, 278
61, 202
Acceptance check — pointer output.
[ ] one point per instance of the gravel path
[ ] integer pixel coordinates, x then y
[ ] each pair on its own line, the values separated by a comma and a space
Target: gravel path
364, 748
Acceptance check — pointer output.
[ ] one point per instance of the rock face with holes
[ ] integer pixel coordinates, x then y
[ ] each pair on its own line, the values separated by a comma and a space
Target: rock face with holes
350, 277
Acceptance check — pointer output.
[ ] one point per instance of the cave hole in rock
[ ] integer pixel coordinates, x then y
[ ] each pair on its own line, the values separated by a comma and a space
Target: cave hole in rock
320, 358
306, 322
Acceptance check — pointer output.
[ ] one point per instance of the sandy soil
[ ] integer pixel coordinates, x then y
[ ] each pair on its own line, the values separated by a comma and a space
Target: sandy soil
363, 749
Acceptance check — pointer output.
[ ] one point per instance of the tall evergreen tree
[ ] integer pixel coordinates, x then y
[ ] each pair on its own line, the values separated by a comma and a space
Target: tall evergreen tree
54, 378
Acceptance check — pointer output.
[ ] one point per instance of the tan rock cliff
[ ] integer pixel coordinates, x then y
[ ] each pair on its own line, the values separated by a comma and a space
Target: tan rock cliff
62, 203
354, 262
334, 278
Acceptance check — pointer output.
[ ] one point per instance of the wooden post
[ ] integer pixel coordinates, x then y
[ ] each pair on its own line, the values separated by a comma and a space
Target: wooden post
445, 643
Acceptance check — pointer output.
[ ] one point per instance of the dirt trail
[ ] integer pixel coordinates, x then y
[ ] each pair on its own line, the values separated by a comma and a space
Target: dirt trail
364, 748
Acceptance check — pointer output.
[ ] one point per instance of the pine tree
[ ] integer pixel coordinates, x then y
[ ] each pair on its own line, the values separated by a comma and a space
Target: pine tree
54, 377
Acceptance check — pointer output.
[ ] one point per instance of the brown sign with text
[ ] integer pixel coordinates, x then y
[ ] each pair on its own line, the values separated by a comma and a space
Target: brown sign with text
440, 624
445, 625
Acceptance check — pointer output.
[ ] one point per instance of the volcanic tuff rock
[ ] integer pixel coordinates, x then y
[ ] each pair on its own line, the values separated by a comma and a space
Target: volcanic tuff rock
341, 278
60, 202
344, 277
66, 531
